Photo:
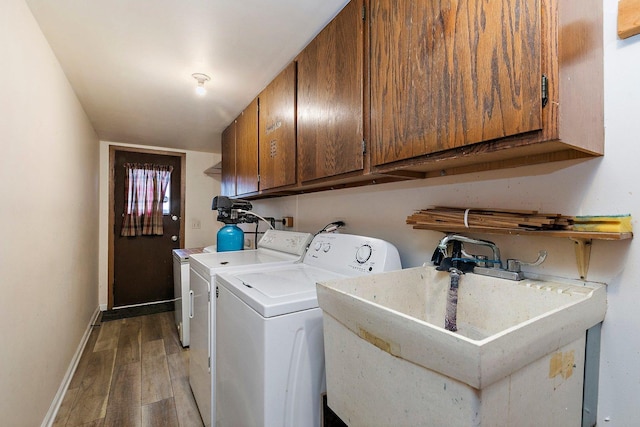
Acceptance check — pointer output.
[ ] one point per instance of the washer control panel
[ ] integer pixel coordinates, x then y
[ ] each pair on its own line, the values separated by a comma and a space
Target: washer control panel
290, 242
352, 255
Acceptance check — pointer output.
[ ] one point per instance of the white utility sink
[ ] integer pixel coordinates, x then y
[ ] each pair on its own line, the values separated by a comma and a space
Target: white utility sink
516, 359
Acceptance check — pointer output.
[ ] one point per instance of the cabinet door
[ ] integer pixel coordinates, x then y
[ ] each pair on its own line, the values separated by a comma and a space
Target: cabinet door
330, 98
278, 131
228, 183
247, 150
445, 74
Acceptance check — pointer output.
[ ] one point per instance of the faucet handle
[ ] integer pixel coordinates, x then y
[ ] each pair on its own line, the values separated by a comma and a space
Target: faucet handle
437, 257
515, 264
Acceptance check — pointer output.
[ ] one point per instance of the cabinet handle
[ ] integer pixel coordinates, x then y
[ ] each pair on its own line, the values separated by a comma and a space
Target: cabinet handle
190, 304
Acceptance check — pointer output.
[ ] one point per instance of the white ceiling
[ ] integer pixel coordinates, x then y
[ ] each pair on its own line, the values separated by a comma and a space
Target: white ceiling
130, 61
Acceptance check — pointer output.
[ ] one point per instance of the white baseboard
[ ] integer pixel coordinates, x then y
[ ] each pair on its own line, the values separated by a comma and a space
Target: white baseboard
66, 380
103, 307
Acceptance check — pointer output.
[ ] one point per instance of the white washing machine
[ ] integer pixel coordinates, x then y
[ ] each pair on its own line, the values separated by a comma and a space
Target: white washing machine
181, 288
275, 247
270, 348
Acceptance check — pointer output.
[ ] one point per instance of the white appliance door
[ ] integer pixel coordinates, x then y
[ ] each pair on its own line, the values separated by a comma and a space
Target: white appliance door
184, 305
177, 293
270, 371
200, 376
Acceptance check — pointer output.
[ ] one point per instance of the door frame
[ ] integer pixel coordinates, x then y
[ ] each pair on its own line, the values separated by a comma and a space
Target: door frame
112, 156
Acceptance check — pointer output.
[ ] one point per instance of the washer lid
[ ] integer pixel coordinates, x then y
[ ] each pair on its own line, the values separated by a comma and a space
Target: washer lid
278, 291
208, 264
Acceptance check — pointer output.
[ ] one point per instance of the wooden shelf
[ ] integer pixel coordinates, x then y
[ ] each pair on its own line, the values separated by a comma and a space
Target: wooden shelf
583, 240
214, 170
523, 232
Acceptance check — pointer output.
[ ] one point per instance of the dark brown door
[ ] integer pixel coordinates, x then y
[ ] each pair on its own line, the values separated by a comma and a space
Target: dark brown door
143, 265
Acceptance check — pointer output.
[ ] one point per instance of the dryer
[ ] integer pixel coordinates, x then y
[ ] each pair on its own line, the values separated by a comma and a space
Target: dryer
276, 247
270, 345
181, 289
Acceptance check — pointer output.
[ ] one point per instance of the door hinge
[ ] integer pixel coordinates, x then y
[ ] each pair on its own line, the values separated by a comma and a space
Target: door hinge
545, 90
208, 295
217, 293
258, 178
209, 362
364, 146
364, 12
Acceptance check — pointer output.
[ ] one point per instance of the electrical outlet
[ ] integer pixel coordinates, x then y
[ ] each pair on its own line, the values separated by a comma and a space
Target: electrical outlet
195, 224
287, 221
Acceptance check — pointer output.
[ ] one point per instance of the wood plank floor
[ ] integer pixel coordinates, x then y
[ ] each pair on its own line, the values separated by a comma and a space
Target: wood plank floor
133, 372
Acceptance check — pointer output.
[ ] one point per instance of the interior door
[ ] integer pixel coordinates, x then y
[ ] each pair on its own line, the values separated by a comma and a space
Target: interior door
142, 266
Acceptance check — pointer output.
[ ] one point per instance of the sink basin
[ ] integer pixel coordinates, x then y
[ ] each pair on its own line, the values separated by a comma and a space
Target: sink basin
386, 332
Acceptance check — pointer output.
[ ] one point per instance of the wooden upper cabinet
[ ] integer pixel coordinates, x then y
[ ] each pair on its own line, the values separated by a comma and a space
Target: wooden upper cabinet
434, 88
247, 150
330, 98
447, 74
228, 182
278, 131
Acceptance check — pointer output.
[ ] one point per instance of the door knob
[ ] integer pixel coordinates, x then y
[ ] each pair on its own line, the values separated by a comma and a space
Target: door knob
174, 217
174, 238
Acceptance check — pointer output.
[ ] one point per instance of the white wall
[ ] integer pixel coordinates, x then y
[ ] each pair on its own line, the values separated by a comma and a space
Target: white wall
199, 192
609, 185
48, 220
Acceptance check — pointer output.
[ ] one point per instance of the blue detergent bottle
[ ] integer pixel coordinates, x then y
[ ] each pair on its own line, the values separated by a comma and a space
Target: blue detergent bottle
230, 238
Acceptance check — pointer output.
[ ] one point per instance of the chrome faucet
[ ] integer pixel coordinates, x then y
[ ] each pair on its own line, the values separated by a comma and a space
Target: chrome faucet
444, 243
512, 272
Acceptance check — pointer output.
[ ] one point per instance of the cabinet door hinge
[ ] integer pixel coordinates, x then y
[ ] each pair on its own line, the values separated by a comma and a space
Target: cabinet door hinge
364, 146
545, 90
364, 12
258, 177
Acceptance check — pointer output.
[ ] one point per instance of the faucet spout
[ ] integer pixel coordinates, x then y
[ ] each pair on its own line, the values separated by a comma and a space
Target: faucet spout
444, 243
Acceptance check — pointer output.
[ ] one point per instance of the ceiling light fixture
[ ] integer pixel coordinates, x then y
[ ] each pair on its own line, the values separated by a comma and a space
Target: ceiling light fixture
201, 78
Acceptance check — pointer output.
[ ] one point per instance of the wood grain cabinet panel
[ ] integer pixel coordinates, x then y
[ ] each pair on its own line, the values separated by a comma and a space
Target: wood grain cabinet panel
277, 138
330, 98
247, 150
446, 74
471, 85
228, 143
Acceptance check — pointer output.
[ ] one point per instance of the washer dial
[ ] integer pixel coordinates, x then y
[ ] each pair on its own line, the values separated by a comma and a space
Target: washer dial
363, 254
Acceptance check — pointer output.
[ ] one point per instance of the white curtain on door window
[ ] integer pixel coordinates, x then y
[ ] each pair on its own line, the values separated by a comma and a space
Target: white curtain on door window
145, 189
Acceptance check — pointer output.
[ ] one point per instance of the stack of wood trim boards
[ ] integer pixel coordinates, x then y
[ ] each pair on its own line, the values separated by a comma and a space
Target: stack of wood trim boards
452, 219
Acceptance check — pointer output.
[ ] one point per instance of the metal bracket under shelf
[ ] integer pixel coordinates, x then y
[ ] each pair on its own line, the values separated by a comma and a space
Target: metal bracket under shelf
583, 255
